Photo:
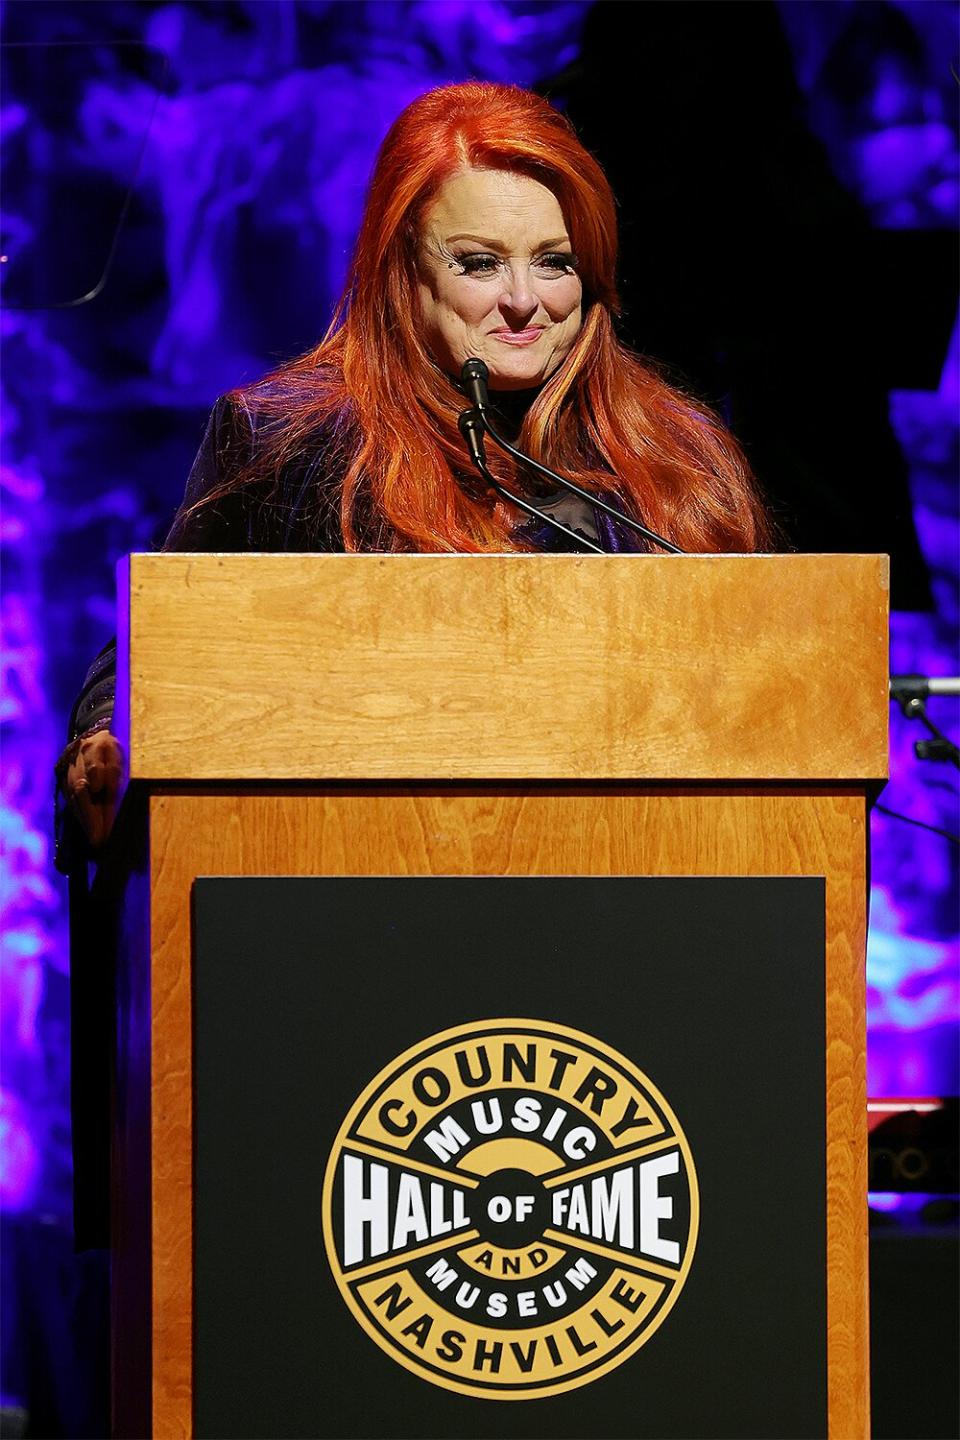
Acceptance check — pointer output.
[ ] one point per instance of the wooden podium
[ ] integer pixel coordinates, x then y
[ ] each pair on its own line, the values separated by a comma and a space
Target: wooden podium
489, 716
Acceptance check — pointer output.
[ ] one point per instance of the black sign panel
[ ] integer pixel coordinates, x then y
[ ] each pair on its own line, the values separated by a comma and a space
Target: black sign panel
513, 1157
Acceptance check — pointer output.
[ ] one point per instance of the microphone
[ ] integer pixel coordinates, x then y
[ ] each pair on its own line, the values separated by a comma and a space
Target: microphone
471, 427
473, 378
920, 687
911, 693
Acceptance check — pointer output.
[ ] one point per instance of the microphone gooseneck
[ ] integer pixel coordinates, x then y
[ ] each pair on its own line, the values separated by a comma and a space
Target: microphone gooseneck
471, 428
473, 379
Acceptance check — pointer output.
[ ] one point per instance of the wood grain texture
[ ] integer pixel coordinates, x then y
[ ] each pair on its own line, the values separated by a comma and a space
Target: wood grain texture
484, 831
631, 667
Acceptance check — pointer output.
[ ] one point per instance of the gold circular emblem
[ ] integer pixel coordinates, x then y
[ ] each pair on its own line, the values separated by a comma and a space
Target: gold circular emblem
510, 1209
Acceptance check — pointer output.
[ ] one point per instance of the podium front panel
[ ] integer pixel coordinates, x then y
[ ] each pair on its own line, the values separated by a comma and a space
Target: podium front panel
515, 1156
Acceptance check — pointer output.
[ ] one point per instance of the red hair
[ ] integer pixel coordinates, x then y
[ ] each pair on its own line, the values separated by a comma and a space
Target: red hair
604, 418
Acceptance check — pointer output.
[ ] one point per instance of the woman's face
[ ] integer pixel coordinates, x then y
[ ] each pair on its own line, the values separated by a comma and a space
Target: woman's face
498, 278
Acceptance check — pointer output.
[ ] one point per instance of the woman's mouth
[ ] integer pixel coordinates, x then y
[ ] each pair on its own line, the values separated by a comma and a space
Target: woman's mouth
519, 337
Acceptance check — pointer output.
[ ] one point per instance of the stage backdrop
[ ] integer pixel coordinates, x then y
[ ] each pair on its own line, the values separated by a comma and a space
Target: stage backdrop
183, 182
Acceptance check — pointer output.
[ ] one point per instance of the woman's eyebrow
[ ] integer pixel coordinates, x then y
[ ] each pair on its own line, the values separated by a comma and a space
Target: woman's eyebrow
499, 245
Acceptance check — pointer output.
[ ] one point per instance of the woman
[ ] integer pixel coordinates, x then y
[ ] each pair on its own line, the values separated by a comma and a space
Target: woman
489, 232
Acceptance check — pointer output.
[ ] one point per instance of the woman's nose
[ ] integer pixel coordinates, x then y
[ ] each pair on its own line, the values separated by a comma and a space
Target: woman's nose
517, 298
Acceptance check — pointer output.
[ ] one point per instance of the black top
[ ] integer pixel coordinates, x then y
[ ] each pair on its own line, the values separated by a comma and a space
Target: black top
298, 511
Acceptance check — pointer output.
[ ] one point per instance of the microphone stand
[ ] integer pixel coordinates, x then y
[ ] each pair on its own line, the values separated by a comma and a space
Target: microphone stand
472, 426
911, 693
473, 377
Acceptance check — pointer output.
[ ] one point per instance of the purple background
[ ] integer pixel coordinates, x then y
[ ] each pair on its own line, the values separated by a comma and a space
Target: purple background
183, 184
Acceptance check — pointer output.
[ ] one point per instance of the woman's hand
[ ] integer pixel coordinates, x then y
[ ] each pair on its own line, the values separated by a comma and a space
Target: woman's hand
90, 771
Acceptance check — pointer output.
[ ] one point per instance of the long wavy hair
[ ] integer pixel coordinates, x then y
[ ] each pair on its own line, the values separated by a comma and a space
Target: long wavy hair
387, 412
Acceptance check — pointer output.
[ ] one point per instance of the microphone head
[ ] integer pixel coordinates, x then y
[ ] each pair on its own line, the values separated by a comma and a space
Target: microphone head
473, 379
474, 369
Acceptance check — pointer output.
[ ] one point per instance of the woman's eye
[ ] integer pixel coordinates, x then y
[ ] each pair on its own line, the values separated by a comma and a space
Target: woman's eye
563, 262
478, 264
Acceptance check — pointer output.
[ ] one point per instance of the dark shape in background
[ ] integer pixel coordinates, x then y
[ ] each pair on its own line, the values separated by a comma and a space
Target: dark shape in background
754, 274
73, 213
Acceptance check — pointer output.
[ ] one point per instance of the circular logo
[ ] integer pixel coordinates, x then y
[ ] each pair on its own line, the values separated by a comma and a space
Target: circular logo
510, 1209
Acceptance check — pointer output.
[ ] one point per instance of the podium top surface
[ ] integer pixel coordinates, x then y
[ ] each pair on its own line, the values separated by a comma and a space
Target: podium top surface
504, 667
